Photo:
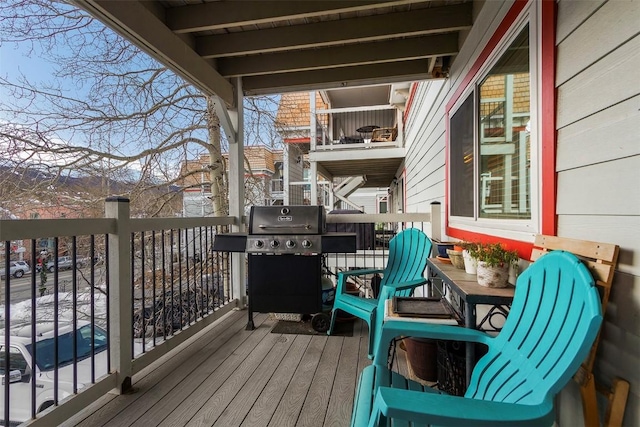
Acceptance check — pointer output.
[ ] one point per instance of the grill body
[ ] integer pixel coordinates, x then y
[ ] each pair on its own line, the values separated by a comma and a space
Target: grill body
284, 247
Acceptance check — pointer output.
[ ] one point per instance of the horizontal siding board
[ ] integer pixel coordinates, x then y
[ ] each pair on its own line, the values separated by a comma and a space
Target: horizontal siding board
607, 135
619, 340
623, 231
571, 14
609, 27
623, 306
609, 81
587, 191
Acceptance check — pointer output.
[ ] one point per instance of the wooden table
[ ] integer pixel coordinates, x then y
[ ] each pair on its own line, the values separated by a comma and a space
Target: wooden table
466, 287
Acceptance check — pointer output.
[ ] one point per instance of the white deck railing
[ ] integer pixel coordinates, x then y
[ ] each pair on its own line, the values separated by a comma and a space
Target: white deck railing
144, 270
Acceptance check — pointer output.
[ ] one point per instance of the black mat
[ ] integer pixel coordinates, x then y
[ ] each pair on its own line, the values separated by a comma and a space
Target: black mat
341, 329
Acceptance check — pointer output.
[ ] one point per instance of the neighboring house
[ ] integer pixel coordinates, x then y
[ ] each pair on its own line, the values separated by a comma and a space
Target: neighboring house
333, 131
263, 177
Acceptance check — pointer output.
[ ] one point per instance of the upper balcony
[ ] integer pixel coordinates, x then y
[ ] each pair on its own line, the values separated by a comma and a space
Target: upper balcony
349, 132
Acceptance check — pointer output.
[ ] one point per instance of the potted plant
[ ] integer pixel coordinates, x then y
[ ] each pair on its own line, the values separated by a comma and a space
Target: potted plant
494, 261
469, 255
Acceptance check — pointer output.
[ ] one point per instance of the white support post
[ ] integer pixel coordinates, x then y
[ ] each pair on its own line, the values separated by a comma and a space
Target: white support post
436, 221
314, 184
313, 126
286, 171
120, 299
236, 198
313, 121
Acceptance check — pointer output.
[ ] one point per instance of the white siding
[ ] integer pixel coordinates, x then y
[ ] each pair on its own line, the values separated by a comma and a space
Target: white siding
598, 159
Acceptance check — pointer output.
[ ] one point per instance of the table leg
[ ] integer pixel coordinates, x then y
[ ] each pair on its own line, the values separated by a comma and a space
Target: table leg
470, 349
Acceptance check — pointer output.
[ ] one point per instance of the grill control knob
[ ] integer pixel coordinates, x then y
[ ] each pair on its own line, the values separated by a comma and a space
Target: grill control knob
291, 244
306, 243
259, 244
275, 244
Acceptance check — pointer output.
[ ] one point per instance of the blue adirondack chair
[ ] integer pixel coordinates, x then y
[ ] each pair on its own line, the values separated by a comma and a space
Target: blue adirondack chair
554, 320
408, 253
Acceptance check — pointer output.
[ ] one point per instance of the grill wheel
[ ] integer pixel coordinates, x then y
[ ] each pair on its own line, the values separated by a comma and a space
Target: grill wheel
320, 322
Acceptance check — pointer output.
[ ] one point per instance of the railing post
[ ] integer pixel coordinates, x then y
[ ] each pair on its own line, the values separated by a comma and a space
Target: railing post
436, 221
120, 300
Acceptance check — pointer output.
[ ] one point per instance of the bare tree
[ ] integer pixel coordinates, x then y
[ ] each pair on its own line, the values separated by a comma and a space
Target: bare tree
107, 110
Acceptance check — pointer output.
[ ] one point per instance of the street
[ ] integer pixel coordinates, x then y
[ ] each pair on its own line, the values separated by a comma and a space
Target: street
21, 288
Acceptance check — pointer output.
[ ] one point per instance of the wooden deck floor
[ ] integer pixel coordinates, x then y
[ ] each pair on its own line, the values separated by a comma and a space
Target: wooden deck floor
231, 377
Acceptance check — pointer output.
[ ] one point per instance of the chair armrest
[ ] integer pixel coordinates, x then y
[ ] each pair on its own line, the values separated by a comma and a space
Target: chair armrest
397, 328
342, 277
360, 272
446, 410
408, 285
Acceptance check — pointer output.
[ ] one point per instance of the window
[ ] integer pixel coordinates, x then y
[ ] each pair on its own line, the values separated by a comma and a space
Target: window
17, 361
504, 113
490, 141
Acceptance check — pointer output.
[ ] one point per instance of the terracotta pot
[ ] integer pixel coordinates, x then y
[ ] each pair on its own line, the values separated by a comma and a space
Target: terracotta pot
492, 277
422, 356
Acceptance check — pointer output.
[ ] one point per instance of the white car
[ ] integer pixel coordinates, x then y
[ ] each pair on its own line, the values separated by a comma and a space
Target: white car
23, 371
17, 269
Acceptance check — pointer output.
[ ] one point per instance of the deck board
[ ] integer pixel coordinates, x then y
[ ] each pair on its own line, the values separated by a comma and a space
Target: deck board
228, 377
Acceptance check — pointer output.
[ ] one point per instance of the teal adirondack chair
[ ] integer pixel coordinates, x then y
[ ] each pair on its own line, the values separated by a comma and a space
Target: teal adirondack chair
554, 319
408, 253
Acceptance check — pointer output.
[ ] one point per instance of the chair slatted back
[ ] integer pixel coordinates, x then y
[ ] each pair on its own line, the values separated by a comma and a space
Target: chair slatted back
407, 261
554, 320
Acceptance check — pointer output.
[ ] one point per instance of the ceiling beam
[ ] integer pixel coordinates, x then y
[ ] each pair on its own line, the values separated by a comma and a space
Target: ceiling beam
341, 56
333, 78
134, 21
229, 14
327, 33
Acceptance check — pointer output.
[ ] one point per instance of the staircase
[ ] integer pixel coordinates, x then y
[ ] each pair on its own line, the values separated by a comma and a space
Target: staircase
344, 189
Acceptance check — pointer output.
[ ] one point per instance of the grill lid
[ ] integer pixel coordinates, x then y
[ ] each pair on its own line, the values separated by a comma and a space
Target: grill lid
297, 219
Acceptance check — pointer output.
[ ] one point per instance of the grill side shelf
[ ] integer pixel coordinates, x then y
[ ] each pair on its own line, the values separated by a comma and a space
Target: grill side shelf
230, 242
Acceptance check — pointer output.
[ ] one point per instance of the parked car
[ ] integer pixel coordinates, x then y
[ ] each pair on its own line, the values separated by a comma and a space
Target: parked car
16, 269
23, 370
65, 263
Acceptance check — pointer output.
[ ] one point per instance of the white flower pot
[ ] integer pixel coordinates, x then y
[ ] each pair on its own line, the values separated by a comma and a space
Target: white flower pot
492, 277
470, 263
514, 270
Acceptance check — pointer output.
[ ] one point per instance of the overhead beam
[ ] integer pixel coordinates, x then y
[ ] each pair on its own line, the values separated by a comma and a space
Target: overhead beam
341, 56
327, 33
333, 78
136, 23
229, 14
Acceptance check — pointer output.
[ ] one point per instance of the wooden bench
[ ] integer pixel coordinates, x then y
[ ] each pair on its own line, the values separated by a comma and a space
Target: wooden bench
601, 259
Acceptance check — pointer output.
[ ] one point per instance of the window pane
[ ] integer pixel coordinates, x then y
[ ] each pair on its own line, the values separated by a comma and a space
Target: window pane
505, 111
461, 158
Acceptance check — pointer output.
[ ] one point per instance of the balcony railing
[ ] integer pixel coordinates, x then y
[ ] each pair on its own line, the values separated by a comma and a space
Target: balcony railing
115, 294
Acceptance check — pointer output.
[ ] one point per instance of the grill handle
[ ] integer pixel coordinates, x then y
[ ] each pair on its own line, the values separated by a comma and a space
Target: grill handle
280, 227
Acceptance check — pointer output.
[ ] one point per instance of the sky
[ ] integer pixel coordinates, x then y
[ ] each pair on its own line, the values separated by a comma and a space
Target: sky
14, 59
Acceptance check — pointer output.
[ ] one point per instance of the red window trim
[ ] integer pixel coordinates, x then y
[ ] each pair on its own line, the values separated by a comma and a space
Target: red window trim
548, 122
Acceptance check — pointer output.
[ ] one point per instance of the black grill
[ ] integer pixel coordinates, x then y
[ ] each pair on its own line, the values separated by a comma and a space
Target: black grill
285, 246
